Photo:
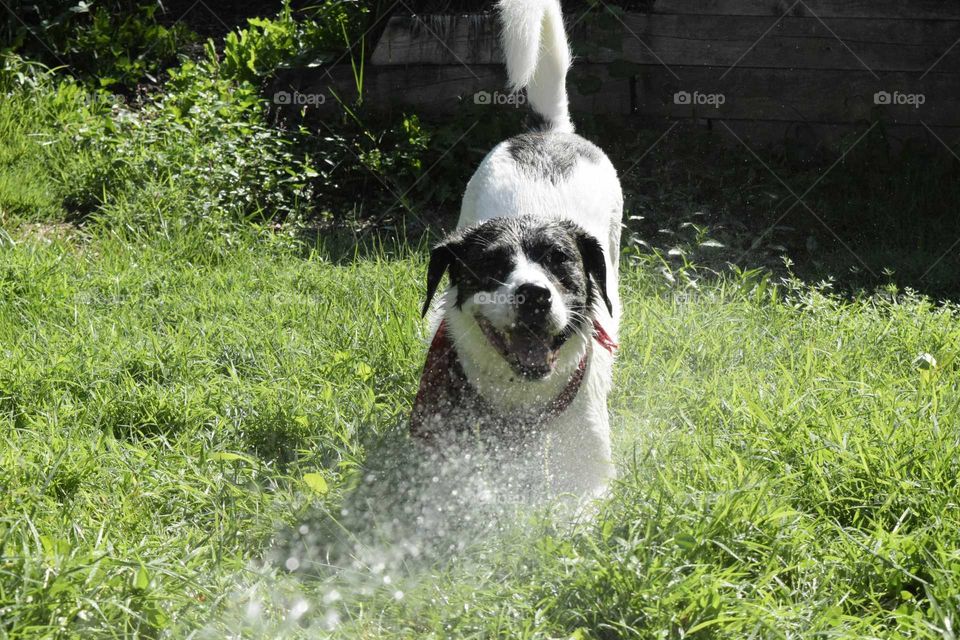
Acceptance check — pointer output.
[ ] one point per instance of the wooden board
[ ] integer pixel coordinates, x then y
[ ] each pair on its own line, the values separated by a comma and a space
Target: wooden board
810, 67
792, 43
758, 122
435, 90
745, 94
444, 39
801, 137
911, 9
673, 40
801, 95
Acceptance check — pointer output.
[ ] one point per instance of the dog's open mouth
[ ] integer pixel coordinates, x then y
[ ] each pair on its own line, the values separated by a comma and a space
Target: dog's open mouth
529, 354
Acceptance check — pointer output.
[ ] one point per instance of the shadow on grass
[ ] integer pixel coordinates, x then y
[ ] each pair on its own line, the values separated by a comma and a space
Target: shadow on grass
863, 211
875, 217
344, 244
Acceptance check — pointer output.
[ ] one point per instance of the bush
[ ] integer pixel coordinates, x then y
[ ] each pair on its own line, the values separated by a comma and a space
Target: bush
120, 42
202, 148
207, 147
270, 44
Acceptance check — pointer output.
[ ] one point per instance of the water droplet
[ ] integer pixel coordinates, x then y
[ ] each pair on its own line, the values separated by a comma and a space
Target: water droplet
298, 609
332, 620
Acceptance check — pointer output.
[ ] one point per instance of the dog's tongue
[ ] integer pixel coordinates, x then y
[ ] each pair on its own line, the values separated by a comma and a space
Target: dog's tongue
533, 353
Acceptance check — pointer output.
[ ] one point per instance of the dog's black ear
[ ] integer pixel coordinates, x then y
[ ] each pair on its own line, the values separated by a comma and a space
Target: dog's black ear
594, 264
441, 258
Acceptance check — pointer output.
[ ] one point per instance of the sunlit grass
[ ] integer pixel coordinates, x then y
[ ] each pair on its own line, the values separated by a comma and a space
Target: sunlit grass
788, 469
788, 466
181, 391
126, 375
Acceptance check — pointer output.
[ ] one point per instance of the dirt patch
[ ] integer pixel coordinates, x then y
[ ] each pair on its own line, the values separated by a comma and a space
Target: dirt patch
44, 232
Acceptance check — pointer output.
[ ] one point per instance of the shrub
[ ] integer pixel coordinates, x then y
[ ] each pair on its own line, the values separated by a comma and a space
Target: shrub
207, 146
119, 42
285, 41
202, 149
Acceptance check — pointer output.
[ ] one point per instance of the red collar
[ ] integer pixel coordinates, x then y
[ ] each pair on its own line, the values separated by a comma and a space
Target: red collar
446, 401
603, 338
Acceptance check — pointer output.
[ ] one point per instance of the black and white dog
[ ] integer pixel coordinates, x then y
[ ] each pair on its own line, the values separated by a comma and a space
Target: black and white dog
524, 337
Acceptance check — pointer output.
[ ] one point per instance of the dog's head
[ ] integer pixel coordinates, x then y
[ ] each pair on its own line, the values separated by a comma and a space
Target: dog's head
528, 283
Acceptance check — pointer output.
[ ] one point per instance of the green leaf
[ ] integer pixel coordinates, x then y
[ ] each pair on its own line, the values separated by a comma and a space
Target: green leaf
227, 456
685, 541
141, 579
364, 371
316, 483
607, 530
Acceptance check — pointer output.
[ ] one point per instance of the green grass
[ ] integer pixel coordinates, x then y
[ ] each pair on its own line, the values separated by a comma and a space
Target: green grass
131, 375
181, 390
787, 468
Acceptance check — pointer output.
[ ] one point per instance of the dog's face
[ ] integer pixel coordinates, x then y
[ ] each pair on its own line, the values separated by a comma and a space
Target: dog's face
529, 284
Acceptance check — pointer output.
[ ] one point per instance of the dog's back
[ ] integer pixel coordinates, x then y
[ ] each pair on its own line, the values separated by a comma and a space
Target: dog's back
524, 336
549, 171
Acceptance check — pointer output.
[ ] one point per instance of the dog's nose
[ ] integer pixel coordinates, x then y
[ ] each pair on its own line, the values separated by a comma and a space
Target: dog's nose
533, 303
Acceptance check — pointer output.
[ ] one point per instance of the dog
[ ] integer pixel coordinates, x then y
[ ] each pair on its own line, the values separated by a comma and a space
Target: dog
525, 335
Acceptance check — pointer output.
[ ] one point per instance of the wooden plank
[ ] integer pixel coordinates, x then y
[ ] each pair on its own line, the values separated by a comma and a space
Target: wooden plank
760, 94
804, 96
790, 43
912, 9
436, 90
746, 93
758, 121
763, 134
439, 39
920, 9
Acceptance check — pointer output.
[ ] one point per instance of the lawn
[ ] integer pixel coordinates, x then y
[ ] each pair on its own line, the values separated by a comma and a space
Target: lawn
202, 408
788, 460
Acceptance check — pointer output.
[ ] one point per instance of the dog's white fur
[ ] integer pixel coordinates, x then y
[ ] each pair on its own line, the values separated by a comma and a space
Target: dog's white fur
577, 443
537, 56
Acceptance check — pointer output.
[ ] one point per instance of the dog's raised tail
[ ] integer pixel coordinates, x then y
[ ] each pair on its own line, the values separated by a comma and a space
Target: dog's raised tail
537, 56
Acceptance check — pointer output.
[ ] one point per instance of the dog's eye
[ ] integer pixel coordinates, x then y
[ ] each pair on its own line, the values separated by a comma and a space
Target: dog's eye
557, 257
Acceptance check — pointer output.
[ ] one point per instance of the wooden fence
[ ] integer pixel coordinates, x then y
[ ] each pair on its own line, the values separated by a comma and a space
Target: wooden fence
780, 66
